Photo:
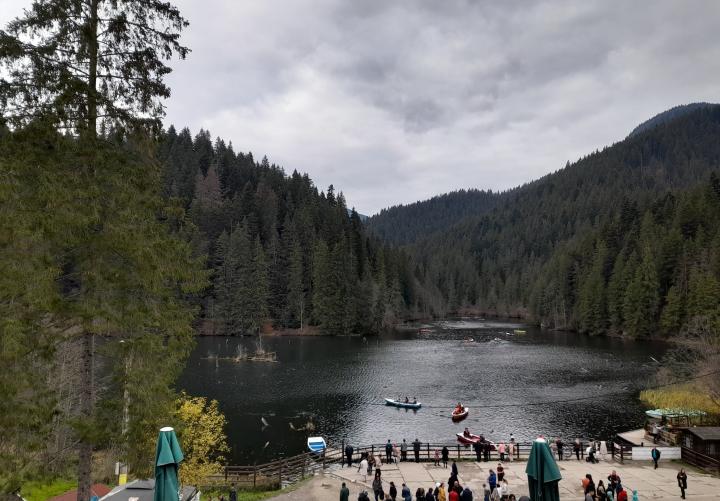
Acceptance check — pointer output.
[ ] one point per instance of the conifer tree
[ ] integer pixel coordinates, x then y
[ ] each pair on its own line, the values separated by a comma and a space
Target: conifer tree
78, 66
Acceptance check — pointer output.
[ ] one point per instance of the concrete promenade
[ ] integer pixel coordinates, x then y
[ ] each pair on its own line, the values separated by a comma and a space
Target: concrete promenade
651, 484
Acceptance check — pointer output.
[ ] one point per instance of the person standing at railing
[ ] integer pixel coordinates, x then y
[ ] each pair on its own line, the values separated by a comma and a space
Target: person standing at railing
576, 448
403, 450
348, 454
445, 456
388, 452
416, 450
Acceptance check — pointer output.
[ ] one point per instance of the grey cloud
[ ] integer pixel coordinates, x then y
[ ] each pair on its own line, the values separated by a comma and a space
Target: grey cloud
393, 101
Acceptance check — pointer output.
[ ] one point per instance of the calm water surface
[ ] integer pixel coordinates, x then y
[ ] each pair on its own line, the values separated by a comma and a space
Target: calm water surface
339, 383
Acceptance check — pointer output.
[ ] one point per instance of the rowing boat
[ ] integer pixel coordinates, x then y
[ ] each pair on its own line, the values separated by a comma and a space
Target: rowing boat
406, 405
469, 439
459, 416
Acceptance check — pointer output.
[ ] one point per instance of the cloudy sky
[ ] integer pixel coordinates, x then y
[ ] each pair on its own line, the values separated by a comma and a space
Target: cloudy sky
394, 101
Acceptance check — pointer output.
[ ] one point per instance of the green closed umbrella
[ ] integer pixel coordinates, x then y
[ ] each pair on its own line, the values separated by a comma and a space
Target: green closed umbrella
543, 473
167, 459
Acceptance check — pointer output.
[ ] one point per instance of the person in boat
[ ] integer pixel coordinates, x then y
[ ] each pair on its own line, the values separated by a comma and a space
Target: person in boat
466, 432
415, 400
458, 408
407, 400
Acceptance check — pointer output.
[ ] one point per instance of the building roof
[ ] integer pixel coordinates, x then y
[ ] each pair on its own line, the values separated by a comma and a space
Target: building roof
98, 490
143, 490
706, 432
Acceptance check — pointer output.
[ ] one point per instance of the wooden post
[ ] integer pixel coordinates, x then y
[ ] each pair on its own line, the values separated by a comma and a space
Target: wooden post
458, 450
427, 445
254, 475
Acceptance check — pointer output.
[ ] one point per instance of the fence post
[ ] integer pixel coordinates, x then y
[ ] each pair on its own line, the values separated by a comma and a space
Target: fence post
458, 450
622, 454
427, 449
254, 475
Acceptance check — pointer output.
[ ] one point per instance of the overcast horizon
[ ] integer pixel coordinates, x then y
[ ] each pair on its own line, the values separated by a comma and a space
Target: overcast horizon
394, 102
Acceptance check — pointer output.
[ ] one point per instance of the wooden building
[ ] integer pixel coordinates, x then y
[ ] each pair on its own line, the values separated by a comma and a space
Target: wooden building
703, 439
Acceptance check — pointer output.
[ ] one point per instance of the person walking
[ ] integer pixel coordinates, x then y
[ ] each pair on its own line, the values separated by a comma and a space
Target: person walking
416, 450
377, 487
500, 472
589, 486
430, 494
576, 448
403, 450
232, 495
486, 493
441, 495
682, 482
601, 491
436, 457
559, 444
420, 494
466, 494
392, 491
492, 480
348, 454
405, 493
364, 467
344, 493
655, 455
445, 456
478, 450
454, 469
388, 452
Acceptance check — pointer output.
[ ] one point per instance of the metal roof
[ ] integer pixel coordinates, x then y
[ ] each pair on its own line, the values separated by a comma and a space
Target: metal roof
706, 432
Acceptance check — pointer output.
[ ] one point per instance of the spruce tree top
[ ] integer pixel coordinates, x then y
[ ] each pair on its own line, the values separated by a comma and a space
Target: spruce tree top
87, 63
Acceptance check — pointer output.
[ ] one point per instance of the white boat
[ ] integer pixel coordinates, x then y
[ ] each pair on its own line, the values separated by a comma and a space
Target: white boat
316, 444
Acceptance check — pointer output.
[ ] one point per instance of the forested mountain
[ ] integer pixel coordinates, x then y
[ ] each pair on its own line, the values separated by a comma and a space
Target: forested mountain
281, 252
668, 116
528, 253
402, 224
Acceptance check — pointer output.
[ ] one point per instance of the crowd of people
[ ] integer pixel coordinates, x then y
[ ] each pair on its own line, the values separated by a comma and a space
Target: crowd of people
496, 488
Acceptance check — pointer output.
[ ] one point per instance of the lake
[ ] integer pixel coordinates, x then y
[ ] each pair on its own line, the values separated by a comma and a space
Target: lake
339, 384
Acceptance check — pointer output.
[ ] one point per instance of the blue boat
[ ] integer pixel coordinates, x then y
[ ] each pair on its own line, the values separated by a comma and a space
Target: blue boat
316, 444
408, 405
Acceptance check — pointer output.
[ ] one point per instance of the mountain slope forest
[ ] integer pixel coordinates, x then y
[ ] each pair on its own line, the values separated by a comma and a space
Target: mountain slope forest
281, 252
625, 240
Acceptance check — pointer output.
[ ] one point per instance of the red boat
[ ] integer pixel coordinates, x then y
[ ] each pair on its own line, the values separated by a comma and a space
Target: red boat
459, 416
467, 439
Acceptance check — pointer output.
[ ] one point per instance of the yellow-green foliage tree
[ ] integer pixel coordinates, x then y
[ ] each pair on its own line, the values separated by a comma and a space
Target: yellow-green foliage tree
201, 432
687, 397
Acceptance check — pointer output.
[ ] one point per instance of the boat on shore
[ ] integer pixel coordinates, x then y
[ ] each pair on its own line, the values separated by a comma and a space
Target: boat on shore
459, 416
404, 405
316, 444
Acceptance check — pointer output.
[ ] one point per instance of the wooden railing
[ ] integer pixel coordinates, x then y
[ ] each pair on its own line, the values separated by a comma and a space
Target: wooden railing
620, 452
700, 460
285, 471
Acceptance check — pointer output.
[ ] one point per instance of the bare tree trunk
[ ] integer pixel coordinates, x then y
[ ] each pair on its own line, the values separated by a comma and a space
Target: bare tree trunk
87, 387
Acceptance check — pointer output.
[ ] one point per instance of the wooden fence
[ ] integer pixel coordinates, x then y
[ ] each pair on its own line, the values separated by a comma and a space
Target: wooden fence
286, 471
700, 460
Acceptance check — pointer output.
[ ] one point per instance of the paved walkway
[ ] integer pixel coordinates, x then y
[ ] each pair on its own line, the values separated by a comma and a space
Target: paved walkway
651, 484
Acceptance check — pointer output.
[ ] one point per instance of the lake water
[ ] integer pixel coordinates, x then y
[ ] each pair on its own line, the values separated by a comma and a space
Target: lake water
339, 383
